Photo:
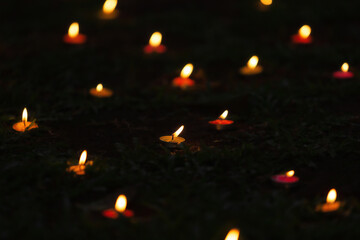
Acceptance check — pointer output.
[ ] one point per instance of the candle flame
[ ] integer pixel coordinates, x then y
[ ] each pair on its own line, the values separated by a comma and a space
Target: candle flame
290, 173
99, 87
305, 31
233, 234
331, 197
83, 157
109, 6
224, 114
266, 2
73, 30
24, 115
345, 67
120, 204
177, 133
187, 70
155, 39
253, 61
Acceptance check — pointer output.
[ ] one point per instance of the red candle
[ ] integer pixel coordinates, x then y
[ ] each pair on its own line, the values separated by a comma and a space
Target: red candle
155, 45
303, 36
344, 73
120, 208
221, 123
73, 36
287, 178
184, 81
109, 12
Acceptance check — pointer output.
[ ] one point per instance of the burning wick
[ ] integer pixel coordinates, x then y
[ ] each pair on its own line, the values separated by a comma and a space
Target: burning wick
233, 234
101, 92
80, 168
252, 67
344, 73
73, 36
184, 81
173, 141
303, 36
24, 125
108, 11
331, 203
287, 178
155, 45
120, 207
221, 123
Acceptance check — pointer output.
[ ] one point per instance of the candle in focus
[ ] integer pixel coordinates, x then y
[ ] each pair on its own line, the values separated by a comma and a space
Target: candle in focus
331, 204
184, 81
108, 10
344, 73
24, 125
80, 168
303, 35
287, 178
73, 36
252, 67
101, 92
174, 140
120, 207
233, 234
155, 45
221, 123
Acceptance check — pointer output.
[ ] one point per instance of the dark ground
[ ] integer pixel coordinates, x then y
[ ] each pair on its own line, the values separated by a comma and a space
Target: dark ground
294, 116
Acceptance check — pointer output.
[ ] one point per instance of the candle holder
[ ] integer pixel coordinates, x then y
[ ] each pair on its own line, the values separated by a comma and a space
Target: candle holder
173, 141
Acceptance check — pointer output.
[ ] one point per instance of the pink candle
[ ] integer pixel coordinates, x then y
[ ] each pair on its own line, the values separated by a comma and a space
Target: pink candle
287, 178
344, 73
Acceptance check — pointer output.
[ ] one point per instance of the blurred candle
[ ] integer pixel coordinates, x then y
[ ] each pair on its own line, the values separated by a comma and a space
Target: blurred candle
252, 67
303, 36
344, 73
79, 169
101, 92
120, 207
155, 45
233, 234
24, 125
73, 36
266, 2
222, 123
287, 178
184, 81
331, 204
108, 10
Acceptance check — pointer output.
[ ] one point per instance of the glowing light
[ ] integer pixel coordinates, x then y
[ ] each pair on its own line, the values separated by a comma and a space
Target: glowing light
305, 31
177, 133
120, 204
73, 30
224, 114
109, 6
345, 67
290, 173
266, 2
155, 39
24, 115
187, 70
253, 61
331, 197
233, 234
83, 157
99, 87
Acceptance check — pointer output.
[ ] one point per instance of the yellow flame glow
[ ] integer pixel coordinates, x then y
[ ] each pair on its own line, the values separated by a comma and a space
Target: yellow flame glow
24, 115
155, 39
73, 30
187, 70
120, 204
109, 6
331, 197
253, 61
266, 2
99, 87
290, 173
305, 31
83, 157
177, 133
345, 67
233, 234
224, 114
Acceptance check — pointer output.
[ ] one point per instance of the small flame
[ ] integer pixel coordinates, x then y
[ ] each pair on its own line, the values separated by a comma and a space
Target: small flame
73, 30
331, 197
83, 157
99, 87
224, 114
187, 70
266, 2
109, 6
290, 173
155, 39
233, 234
345, 67
253, 61
305, 31
24, 115
177, 133
121, 203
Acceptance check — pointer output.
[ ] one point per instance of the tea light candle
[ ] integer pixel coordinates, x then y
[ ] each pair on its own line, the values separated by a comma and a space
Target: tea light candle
120, 207
344, 73
287, 178
331, 204
221, 123
174, 140
101, 92
73, 36
233, 234
303, 36
155, 45
80, 168
24, 125
108, 11
184, 81
252, 67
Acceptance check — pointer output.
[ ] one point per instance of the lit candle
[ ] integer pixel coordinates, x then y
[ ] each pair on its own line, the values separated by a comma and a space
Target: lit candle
266, 2
287, 178
184, 81
108, 11
233, 234
80, 168
303, 36
344, 73
155, 45
24, 125
252, 67
120, 207
221, 123
264, 5
331, 203
101, 92
73, 36
174, 140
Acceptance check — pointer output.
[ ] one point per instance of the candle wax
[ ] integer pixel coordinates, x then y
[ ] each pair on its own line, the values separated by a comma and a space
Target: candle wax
22, 127
111, 213
343, 75
79, 39
329, 207
150, 49
183, 82
296, 38
172, 142
285, 179
108, 16
251, 71
220, 124
104, 93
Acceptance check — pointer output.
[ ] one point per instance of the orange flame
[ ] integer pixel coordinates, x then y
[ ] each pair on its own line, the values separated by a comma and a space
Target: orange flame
305, 31
290, 173
345, 67
99, 87
120, 204
266, 2
224, 114
73, 30
177, 133
83, 157
155, 39
331, 197
187, 70
24, 115
233, 234
253, 61
109, 6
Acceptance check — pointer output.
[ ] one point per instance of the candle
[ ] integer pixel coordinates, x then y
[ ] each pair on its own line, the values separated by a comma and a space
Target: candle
174, 140
252, 67
266, 2
80, 168
101, 92
221, 123
303, 36
344, 73
287, 178
155, 45
331, 204
184, 81
24, 125
233, 234
108, 11
120, 207
73, 36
